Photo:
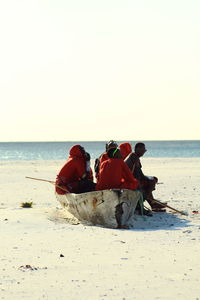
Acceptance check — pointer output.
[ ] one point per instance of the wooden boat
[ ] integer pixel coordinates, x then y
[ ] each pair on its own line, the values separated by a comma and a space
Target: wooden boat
109, 208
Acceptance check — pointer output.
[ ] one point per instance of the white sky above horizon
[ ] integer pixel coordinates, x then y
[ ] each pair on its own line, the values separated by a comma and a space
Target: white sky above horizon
99, 70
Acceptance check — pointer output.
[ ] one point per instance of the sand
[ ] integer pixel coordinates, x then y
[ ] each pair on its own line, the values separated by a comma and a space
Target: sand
45, 255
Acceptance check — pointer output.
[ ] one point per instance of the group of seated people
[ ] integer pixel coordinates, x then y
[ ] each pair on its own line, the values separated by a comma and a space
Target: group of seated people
117, 168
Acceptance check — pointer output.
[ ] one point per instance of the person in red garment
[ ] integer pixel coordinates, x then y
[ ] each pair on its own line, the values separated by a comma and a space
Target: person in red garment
115, 174
104, 156
76, 175
125, 149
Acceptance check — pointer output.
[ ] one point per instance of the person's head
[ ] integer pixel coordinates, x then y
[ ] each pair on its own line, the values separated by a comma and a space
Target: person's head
125, 149
111, 145
140, 149
77, 151
87, 156
114, 153
82, 149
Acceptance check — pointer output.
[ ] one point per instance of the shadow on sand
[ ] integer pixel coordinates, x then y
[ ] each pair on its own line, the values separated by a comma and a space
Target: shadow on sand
161, 221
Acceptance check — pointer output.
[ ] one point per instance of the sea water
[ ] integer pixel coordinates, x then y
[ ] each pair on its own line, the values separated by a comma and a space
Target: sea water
60, 150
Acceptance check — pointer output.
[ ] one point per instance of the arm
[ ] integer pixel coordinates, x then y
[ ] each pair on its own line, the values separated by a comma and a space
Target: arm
96, 165
128, 176
131, 161
65, 172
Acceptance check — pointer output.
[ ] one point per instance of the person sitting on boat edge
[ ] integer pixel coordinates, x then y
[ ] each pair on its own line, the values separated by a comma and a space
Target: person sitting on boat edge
125, 149
76, 175
146, 183
104, 156
115, 174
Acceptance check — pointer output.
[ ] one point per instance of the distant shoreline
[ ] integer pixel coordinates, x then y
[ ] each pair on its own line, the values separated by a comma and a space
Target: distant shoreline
60, 150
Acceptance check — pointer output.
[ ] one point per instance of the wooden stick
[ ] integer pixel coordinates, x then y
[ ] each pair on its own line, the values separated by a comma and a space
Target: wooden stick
147, 208
165, 205
50, 181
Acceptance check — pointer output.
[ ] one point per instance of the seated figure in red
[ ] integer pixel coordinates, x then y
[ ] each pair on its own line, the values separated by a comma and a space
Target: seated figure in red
125, 149
115, 174
76, 175
104, 156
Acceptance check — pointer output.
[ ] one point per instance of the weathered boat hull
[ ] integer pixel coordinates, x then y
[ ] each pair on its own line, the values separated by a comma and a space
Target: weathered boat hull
102, 207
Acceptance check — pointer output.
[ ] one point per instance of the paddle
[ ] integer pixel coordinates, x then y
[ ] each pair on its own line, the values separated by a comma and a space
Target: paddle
50, 181
174, 209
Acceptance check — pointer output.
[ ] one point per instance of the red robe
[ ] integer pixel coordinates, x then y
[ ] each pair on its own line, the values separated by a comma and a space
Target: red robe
103, 158
125, 149
73, 170
115, 174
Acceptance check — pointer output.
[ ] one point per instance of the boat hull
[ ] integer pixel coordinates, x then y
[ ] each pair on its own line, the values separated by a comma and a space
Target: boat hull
102, 207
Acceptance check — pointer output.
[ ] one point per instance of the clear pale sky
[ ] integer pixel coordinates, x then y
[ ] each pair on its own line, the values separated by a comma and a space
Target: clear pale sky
99, 70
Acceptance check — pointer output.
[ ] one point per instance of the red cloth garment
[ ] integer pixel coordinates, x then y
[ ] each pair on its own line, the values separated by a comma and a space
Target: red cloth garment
99, 161
114, 173
103, 158
125, 149
73, 170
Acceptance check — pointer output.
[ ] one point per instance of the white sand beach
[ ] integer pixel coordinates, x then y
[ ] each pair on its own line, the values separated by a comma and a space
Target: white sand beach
158, 259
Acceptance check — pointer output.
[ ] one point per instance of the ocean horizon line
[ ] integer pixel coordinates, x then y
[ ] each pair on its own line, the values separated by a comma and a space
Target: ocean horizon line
58, 149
